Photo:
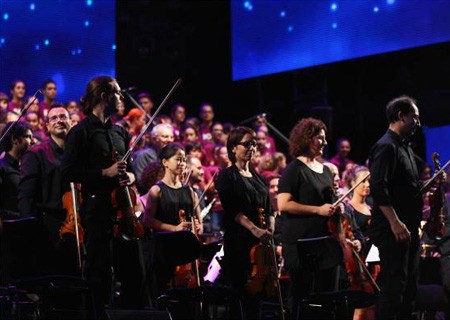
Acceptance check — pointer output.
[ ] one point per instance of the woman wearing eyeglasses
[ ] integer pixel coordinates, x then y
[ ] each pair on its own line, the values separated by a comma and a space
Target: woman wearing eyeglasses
244, 195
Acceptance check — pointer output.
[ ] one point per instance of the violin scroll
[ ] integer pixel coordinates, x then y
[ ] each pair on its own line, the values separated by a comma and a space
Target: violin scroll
435, 225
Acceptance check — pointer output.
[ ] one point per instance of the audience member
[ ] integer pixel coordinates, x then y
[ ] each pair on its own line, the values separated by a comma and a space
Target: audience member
146, 102
49, 91
207, 118
178, 116
341, 159
17, 91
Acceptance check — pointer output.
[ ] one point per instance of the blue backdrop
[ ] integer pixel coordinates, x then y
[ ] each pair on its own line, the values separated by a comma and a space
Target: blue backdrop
69, 41
270, 36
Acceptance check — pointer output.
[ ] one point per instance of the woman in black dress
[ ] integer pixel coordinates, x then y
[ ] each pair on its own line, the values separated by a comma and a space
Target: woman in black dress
165, 201
360, 211
305, 197
243, 194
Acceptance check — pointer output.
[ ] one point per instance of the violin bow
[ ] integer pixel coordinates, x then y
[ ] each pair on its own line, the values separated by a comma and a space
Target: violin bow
75, 217
206, 189
351, 190
437, 174
358, 258
188, 175
21, 114
366, 271
150, 121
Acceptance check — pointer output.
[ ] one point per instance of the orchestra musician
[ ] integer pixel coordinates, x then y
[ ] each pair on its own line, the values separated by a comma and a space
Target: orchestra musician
243, 194
358, 208
305, 197
41, 190
89, 160
166, 200
397, 210
15, 143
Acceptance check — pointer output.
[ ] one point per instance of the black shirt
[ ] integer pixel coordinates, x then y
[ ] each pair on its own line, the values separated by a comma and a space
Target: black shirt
173, 200
9, 182
89, 149
309, 188
40, 186
394, 181
245, 195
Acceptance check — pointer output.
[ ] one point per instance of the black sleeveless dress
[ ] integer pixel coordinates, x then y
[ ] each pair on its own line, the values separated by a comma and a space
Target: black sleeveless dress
171, 201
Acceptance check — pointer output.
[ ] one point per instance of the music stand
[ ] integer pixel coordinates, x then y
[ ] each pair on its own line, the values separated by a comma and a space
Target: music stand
319, 253
325, 253
177, 248
20, 244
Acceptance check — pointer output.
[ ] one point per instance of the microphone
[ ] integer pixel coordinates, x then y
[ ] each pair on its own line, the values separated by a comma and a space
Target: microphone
258, 116
128, 89
263, 115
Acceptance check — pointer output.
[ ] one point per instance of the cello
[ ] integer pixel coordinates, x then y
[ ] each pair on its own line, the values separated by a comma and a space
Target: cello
264, 275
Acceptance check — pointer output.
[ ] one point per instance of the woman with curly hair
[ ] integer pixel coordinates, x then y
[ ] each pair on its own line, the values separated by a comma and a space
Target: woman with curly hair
305, 197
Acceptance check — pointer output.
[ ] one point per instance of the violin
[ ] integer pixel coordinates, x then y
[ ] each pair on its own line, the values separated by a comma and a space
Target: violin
359, 277
72, 224
187, 275
123, 199
264, 275
435, 225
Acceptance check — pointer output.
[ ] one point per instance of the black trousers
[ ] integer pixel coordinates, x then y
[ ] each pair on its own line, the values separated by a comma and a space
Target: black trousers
107, 256
398, 277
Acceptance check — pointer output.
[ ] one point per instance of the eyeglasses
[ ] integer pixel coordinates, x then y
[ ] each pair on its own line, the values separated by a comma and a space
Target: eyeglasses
248, 144
58, 116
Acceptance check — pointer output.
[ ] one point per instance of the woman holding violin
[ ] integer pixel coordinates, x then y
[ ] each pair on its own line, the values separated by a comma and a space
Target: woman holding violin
358, 209
245, 199
305, 197
357, 206
90, 150
170, 205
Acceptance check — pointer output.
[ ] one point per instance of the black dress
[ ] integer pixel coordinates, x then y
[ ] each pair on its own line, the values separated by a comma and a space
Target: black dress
170, 203
245, 195
362, 221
